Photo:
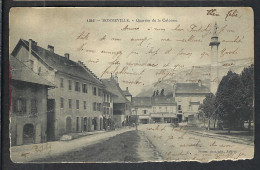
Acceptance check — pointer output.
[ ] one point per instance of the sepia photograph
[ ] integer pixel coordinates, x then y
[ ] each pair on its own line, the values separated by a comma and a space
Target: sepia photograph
131, 84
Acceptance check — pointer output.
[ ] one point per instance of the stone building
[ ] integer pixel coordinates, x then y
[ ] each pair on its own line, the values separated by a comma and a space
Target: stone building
76, 105
188, 97
108, 100
121, 105
28, 109
164, 109
156, 109
142, 108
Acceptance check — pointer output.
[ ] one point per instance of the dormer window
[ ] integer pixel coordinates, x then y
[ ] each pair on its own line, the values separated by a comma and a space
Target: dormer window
31, 64
39, 70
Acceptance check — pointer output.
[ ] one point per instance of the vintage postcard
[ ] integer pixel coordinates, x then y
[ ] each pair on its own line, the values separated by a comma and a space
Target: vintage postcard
131, 84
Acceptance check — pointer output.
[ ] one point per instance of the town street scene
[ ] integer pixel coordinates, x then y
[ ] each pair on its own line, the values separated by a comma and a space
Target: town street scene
131, 84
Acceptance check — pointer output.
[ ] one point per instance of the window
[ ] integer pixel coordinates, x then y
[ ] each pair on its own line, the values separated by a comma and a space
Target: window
33, 106
84, 88
77, 104
99, 92
94, 106
94, 91
70, 85
19, 105
107, 98
144, 111
179, 107
61, 102
77, 87
70, 103
99, 106
85, 105
77, 124
104, 97
61, 82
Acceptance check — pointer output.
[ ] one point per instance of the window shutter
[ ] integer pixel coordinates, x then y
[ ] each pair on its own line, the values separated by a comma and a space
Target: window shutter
14, 105
23, 105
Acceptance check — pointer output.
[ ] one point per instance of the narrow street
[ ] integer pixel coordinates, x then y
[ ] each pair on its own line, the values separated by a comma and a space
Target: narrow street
151, 142
131, 146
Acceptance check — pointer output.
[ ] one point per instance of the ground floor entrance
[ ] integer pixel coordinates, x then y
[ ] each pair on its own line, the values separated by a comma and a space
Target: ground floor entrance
28, 134
144, 121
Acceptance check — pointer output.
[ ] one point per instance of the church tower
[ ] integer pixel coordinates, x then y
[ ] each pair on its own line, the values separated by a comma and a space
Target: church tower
214, 72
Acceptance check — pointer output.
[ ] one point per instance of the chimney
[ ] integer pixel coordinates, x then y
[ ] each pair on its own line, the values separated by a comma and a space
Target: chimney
51, 48
116, 78
67, 56
199, 83
111, 77
82, 64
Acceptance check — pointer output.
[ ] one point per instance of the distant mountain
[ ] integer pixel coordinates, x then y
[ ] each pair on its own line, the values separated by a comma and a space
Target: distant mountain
192, 75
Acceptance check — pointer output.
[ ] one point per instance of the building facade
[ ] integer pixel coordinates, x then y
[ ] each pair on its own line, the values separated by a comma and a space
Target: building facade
76, 105
121, 105
188, 97
156, 109
28, 109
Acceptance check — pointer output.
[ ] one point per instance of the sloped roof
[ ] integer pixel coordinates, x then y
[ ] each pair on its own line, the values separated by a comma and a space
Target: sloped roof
60, 63
19, 71
163, 100
113, 87
126, 93
142, 101
191, 88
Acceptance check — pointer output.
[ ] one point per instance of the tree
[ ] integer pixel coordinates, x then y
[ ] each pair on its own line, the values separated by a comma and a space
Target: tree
229, 100
157, 92
162, 92
208, 108
247, 79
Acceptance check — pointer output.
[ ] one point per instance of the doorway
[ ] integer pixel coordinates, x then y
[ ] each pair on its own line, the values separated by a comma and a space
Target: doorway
68, 124
28, 134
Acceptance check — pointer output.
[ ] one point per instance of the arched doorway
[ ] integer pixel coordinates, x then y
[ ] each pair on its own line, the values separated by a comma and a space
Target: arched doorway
28, 134
85, 124
68, 124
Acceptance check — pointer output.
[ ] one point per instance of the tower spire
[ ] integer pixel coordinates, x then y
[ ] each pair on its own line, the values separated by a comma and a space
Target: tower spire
214, 74
215, 30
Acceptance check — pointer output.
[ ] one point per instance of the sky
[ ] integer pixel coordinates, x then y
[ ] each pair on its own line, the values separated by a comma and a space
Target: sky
155, 46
